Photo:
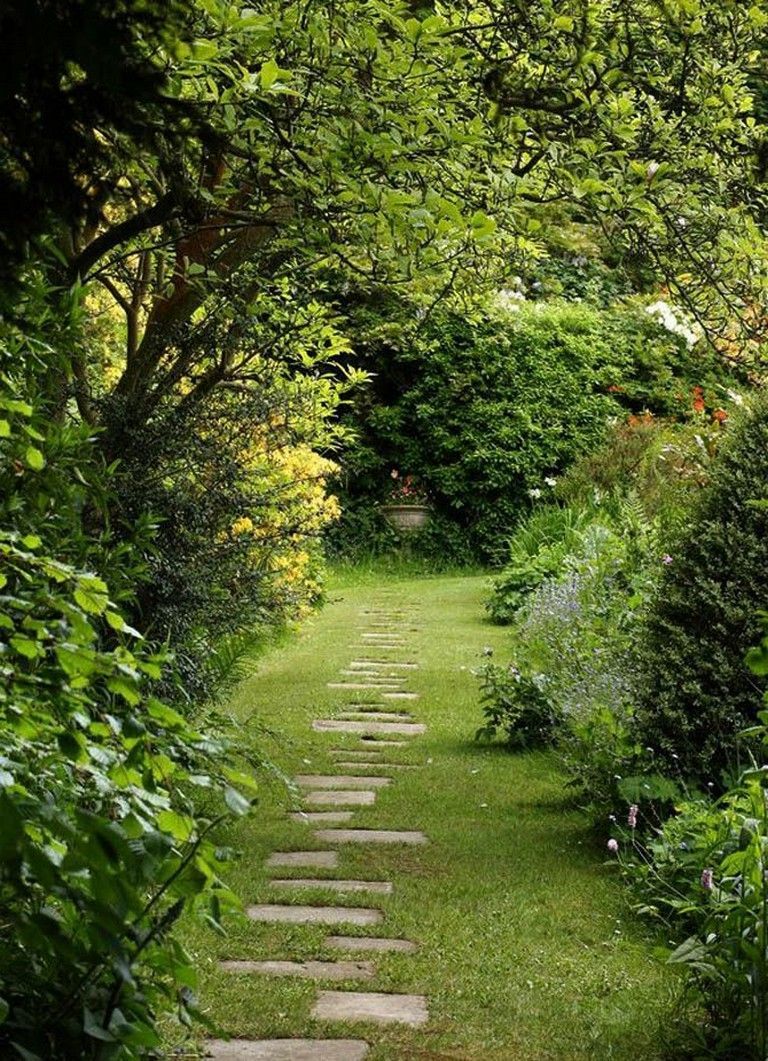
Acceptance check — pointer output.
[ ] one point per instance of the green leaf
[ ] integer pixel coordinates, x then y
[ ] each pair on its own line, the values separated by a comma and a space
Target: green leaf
26, 647
179, 826
236, 802
5, 429
5, 1009
91, 595
34, 458
268, 74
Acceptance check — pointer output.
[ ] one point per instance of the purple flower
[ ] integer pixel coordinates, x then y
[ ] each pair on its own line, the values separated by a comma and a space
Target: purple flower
632, 816
613, 846
667, 559
707, 880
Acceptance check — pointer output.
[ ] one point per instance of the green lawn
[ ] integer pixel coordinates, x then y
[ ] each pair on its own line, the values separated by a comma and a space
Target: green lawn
527, 949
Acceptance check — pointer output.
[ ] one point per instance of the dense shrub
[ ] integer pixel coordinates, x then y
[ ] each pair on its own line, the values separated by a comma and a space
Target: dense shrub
103, 840
695, 691
483, 408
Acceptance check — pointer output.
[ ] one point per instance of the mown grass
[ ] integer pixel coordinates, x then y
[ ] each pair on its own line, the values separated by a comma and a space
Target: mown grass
527, 948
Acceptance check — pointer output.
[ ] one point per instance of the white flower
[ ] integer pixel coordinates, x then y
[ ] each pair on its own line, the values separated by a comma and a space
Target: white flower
550, 481
534, 493
673, 319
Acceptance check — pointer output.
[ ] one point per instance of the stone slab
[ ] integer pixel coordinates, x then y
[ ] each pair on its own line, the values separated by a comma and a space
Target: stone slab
400, 696
310, 970
360, 685
363, 756
375, 742
340, 781
379, 765
316, 859
328, 797
391, 664
391, 679
370, 943
287, 1049
370, 836
314, 915
329, 816
406, 729
375, 1006
377, 716
376, 887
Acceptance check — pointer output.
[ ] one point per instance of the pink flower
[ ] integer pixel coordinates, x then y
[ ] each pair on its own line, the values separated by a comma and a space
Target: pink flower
707, 880
613, 846
632, 816
667, 559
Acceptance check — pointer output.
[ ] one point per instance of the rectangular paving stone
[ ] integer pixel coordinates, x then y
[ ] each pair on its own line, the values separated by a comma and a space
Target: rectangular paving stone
379, 765
376, 887
310, 970
287, 1049
366, 755
370, 943
317, 859
377, 716
340, 781
340, 798
400, 696
390, 678
310, 817
406, 729
360, 685
314, 915
370, 836
391, 664
377, 743
373, 1006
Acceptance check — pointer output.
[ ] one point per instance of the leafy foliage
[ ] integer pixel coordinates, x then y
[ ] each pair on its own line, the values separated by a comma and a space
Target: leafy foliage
102, 837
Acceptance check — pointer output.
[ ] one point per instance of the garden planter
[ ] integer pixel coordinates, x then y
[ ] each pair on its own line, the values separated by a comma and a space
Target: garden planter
406, 518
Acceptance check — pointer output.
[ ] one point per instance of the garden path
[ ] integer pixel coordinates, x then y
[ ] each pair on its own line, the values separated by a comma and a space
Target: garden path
413, 894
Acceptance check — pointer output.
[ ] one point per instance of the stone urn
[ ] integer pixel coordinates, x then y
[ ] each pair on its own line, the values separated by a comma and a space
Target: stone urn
405, 518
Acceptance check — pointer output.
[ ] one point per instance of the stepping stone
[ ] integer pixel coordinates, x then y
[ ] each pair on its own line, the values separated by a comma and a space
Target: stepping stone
371, 1006
311, 970
377, 716
382, 637
380, 766
330, 816
340, 798
317, 859
377, 887
392, 664
392, 679
385, 743
287, 1049
374, 943
407, 729
370, 836
371, 756
360, 685
400, 696
315, 915
340, 781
